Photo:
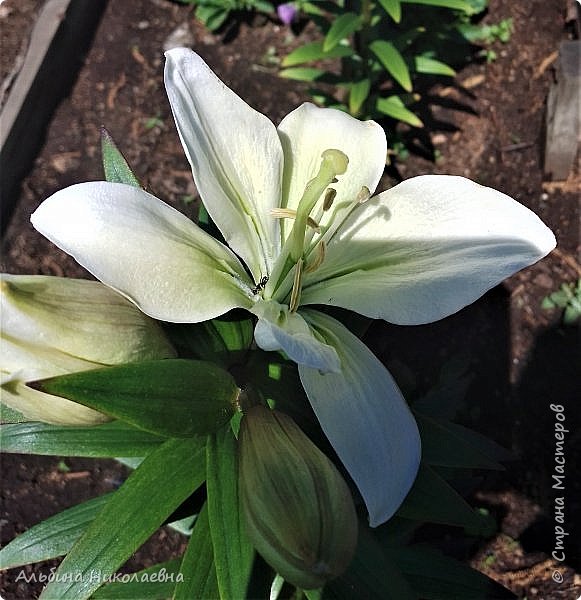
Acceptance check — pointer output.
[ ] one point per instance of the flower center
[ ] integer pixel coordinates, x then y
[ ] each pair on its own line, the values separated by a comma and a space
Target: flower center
287, 273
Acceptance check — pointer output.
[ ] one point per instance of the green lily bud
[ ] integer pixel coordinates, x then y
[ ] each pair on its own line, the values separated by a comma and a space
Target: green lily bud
298, 509
53, 326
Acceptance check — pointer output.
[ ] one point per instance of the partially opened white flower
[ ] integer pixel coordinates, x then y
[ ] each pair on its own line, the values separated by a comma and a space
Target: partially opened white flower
293, 203
54, 326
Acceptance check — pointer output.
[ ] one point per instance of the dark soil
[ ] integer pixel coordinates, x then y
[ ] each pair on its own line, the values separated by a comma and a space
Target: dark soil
520, 359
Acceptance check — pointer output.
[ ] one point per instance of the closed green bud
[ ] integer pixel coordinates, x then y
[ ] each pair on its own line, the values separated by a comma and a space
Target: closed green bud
54, 326
298, 509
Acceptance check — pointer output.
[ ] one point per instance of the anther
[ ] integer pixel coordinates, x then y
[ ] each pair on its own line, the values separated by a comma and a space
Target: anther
363, 195
319, 258
329, 198
296, 291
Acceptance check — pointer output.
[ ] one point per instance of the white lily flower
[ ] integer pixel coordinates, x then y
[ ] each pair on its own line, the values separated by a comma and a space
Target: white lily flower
294, 204
53, 326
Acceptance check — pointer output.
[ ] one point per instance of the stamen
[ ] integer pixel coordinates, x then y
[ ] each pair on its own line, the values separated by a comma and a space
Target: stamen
296, 291
319, 258
329, 198
363, 195
283, 213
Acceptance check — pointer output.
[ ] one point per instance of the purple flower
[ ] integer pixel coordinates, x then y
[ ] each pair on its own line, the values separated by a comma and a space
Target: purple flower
286, 12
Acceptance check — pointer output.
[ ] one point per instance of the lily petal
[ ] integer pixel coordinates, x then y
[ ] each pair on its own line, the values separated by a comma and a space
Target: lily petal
279, 329
146, 250
308, 131
79, 318
366, 419
235, 155
425, 249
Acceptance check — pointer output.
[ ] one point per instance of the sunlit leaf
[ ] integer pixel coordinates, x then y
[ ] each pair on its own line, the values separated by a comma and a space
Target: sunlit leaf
392, 8
394, 107
314, 51
150, 494
431, 66
107, 440
393, 62
174, 397
302, 73
341, 28
358, 93
114, 164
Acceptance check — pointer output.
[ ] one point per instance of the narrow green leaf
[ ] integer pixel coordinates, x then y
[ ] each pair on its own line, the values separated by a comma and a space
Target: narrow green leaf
341, 28
358, 93
431, 66
447, 444
174, 397
52, 537
437, 577
314, 51
454, 4
108, 440
11, 415
233, 552
114, 164
393, 107
148, 496
197, 568
433, 500
220, 340
393, 62
372, 574
392, 8
302, 73
154, 583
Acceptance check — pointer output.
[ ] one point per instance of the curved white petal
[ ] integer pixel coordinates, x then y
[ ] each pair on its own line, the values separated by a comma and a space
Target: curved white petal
366, 419
80, 318
146, 250
21, 362
309, 130
235, 155
279, 329
425, 249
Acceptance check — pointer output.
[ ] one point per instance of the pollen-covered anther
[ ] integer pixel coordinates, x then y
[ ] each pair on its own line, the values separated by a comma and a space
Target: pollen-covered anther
363, 195
318, 259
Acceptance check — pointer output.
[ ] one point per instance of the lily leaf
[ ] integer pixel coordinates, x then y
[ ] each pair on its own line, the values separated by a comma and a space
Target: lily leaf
437, 577
394, 107
149, 495
358, 93
341, 28
302, 73
108, 440
52, 537
154, 583
197, 566
431, 66
314, 51
392, 8
433, 500
114, 164
392, 62
233, 552
453, 4
447, 444
175, 397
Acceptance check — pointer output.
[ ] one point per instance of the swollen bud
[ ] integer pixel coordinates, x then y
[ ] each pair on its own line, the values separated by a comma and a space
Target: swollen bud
298, 509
